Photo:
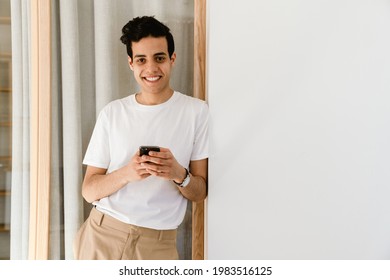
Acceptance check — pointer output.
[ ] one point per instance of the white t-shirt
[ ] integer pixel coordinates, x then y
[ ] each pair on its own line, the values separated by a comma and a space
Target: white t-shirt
180, 124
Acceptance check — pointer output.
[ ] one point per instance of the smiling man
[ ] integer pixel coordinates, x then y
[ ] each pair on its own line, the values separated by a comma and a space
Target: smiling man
140, 200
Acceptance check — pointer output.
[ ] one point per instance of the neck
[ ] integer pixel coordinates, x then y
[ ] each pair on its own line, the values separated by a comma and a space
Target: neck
145, 98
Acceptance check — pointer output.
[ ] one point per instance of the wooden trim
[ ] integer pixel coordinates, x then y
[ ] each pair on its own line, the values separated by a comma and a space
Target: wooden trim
7, 59
5, 20
199, 92
200, 49
40, 129
5, 227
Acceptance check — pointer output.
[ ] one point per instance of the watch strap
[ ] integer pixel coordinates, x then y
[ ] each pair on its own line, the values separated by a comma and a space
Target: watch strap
185, 181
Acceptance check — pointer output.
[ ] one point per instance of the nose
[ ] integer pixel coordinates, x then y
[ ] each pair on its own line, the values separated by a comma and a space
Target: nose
151, 66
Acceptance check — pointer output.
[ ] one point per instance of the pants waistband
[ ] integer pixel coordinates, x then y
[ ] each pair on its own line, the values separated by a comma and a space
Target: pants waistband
104, 219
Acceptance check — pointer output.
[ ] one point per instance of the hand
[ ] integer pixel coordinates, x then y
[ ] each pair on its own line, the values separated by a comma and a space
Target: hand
135, 170
163, 164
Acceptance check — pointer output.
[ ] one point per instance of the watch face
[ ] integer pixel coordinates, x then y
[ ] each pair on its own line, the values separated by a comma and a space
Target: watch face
186, 181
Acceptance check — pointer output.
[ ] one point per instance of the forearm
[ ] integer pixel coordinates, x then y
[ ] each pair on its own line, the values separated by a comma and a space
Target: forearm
196, 190
97, 186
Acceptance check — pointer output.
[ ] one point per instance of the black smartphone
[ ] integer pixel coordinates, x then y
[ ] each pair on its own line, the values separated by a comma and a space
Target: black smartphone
144, 150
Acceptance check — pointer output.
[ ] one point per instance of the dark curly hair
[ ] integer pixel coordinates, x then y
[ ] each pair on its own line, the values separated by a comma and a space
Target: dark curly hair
141, 27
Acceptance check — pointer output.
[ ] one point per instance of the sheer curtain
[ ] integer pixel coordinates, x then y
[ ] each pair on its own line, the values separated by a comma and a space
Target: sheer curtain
89, 70
20, 195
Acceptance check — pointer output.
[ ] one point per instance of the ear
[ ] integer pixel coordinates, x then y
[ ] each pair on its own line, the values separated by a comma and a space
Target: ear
130, 61
173, 59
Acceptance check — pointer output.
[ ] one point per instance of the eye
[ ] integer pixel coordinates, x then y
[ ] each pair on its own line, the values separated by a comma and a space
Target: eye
160, 59
140, 60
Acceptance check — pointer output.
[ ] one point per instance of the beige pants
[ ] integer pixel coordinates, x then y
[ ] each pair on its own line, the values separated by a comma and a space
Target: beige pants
103, 237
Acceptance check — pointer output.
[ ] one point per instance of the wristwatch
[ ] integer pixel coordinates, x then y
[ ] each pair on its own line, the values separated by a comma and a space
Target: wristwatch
186, 180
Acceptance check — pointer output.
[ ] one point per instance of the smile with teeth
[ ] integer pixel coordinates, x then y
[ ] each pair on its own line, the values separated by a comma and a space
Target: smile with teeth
152, 79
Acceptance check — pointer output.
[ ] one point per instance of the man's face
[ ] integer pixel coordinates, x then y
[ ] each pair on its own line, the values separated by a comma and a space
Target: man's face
151, 64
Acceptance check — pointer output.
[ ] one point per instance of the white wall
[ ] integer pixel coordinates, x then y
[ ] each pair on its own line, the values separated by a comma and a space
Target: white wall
299, 95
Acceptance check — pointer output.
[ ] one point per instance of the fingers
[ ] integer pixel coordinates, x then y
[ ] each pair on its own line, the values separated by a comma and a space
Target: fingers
158, 167
159, 172
164, 157
163, 154
155, 168
160, 164
136, 170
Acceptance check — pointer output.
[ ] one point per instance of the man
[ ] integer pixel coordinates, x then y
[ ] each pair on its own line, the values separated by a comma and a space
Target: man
139, 201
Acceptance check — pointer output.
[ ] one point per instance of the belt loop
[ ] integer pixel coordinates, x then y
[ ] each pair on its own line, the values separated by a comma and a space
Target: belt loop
160, 236
101, 220
100, 217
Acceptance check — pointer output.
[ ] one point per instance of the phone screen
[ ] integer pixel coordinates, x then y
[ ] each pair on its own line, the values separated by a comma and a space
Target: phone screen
144, 150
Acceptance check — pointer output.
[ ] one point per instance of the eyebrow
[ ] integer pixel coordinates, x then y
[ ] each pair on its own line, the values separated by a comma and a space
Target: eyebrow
156, 54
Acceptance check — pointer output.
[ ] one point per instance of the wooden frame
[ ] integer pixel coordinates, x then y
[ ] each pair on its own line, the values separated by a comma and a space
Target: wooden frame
6, 87
40, 129
6, 126
5, 20
199, 92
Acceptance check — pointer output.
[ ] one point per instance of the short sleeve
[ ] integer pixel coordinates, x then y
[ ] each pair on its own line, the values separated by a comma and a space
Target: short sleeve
98, 151
201, 141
